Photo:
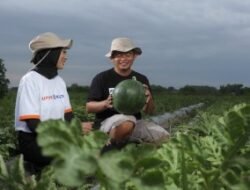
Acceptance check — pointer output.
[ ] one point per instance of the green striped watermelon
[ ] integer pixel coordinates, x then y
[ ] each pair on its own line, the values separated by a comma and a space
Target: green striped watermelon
128, 97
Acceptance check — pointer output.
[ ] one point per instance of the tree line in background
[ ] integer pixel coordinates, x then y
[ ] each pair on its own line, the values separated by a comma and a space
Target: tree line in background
232, 89
4, 82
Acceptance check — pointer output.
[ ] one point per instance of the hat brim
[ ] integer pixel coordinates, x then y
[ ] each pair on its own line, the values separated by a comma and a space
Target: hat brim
67, 43
62, 43
137, 50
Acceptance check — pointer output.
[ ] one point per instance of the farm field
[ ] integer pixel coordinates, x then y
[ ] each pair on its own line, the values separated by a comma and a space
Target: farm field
209, 149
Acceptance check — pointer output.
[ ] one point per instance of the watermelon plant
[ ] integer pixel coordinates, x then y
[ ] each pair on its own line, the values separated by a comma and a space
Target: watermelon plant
14, 177
128, 96
212, 151
214, 157
7, 133
77, 158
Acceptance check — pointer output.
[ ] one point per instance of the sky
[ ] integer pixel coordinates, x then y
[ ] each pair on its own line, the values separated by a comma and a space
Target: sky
184, 42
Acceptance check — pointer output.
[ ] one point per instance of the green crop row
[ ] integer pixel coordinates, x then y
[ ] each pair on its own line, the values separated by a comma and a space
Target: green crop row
211, 154
211, 151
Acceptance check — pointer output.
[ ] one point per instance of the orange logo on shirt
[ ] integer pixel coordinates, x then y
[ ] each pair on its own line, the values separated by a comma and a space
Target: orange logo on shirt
52, 97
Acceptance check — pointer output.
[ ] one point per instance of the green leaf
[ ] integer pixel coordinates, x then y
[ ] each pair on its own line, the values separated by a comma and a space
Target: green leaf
46, 180
150, 180
141, 150
3, 168
94, 140
117, 166
17, 171
72, 170
148, 163
235, 125
75, 156
57, 130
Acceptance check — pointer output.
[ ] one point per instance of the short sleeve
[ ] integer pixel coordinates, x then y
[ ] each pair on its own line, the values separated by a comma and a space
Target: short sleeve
29, 101
95, 92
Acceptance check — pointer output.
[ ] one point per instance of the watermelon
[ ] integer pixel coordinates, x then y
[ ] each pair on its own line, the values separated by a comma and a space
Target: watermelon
129, 97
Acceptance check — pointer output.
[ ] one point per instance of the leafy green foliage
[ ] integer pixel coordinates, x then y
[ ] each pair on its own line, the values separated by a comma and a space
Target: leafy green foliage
75, 155
211, 158
3, 80
7, 133
14, 177
212, 151
78, 101
214, 159
79, 112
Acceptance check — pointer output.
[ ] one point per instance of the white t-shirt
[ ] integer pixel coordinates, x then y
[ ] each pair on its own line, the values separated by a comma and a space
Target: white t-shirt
40, 98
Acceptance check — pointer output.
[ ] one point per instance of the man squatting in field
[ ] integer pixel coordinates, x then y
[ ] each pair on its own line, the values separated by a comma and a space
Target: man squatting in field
120, 127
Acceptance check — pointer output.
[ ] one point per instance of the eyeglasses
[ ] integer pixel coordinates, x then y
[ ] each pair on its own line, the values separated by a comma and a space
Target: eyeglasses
123, 54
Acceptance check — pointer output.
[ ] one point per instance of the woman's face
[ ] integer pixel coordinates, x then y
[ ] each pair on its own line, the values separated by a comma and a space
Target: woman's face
62, 59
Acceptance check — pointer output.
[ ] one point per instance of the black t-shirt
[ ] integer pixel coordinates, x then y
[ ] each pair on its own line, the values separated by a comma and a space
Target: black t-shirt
103, 82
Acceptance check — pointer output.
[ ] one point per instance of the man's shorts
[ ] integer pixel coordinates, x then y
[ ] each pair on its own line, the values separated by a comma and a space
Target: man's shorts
115, 121
144, 131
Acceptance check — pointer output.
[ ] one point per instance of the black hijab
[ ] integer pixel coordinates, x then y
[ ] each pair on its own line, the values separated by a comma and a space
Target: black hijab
47, 67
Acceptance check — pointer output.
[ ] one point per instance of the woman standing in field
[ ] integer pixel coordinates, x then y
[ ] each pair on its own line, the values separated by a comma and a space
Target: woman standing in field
42, 94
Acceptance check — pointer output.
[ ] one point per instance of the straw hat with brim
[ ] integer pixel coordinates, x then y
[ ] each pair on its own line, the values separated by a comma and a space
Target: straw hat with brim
48, 40
123, 45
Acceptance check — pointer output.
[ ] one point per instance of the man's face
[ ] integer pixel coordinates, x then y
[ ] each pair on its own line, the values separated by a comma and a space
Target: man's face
123, 61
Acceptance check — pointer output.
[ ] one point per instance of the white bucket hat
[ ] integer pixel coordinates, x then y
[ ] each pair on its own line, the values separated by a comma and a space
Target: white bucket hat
48, 40
123, 45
